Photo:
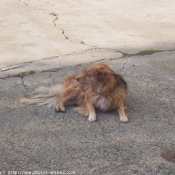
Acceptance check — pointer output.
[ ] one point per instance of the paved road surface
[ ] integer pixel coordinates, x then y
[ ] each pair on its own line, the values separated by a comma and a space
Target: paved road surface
42, 42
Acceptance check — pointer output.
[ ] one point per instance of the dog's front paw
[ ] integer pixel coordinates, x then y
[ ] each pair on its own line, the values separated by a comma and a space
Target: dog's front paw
60, 109
92, 118
123, 118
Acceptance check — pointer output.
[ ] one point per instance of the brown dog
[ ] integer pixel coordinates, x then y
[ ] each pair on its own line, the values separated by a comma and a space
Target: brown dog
98, 87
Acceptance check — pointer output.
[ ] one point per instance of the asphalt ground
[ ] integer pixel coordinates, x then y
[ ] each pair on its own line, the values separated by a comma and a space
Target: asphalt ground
38, 140
43, 42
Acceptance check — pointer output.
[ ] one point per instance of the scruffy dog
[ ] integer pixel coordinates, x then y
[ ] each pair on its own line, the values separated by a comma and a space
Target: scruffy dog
98, 87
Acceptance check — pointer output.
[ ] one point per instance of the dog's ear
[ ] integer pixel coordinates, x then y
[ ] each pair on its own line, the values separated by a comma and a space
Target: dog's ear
100, 74
103, 72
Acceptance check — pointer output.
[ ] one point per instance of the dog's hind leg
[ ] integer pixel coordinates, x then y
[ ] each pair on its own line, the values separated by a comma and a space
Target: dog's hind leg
67, 95
122, 114
92, 114
82, 111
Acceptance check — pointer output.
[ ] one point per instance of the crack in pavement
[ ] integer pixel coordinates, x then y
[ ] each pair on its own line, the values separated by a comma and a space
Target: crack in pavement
23, 74
80, 42
144, 52
23, 3
10, 67
56, 17
1, 69
123, 67
124, 55
54, 24
43, 10
64, 34
55, 20
6, 68
63, 31
13, 68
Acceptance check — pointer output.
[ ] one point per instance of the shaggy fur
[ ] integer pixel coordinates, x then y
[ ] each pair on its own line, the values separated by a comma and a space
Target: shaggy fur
98, 87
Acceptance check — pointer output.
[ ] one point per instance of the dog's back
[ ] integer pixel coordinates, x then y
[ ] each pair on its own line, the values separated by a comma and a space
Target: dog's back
120, 81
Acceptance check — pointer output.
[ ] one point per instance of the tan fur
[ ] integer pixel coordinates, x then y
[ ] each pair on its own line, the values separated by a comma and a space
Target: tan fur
98, 87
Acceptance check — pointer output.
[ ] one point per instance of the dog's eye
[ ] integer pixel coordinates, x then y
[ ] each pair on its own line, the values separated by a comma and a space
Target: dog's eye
88, 73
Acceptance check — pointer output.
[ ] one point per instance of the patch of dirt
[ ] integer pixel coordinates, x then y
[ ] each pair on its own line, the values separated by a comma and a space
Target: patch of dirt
169, 155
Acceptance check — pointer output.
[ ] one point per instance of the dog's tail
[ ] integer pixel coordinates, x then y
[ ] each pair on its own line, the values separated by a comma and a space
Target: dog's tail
44, 96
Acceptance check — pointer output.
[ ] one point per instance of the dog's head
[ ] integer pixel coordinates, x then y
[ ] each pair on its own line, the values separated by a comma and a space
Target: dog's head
98, 73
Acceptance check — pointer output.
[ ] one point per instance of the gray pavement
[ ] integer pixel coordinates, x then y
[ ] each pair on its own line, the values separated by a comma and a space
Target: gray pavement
43, 42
